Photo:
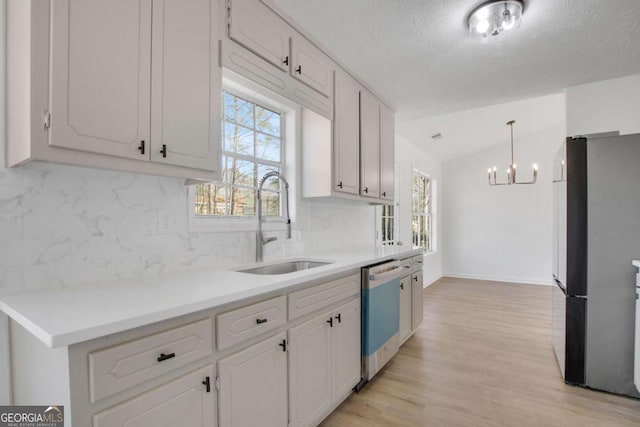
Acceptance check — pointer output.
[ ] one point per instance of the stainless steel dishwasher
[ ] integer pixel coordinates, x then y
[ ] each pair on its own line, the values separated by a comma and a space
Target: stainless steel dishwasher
380, 316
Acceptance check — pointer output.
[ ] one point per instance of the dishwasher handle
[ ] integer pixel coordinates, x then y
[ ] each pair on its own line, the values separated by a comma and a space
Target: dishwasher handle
394, 272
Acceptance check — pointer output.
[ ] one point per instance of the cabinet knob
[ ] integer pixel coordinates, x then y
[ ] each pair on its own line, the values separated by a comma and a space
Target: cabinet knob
286, 61
164, 150
141, 147
340, 184
299, 69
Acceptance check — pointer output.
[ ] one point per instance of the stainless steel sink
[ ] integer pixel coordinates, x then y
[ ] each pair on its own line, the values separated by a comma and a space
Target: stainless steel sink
284, 267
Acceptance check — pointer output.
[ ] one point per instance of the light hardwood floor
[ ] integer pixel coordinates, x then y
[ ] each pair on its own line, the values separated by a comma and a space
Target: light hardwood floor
482, 357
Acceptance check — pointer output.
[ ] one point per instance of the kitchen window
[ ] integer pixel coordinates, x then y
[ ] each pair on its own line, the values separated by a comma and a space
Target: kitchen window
422, 211
387, 225
252, 145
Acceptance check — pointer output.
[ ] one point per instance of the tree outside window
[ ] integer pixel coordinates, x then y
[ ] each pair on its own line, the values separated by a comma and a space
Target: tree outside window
422, 211
251, 147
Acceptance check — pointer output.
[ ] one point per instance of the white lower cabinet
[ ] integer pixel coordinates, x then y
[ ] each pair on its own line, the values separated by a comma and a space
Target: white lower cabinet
406, 291
416, 312
253, 385
186, 401
324, 362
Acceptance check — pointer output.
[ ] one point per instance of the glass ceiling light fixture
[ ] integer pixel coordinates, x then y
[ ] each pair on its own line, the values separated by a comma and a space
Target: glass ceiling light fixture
494, 17
511, 171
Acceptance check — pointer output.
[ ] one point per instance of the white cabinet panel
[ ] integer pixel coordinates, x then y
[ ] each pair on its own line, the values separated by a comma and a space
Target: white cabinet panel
185, 119
405, 308
311, 66
101, 76
259, 29
416, 297
369, 145
117, 368
346, 349
346, 134
247, 322
253, 386
387, 155
310, 370
183, 402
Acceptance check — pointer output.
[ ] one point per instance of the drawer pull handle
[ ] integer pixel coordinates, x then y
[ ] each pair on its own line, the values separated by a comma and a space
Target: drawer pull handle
141, 147
299, 69
164, 357
286, 61
259, 321
330, 321
207, 384
339, 317
164, 150
401, 285
415, 278
283, 344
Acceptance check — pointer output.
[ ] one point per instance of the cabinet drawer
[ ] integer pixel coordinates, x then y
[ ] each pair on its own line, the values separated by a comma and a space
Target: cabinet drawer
117, 368
418, 260
311, 299
248, 322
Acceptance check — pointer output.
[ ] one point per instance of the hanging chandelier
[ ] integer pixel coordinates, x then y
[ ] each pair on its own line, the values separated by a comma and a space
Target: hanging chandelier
511, 171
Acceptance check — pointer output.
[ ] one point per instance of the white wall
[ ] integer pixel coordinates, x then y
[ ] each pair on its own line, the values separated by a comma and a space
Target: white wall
409, 156
604, 106
502, 233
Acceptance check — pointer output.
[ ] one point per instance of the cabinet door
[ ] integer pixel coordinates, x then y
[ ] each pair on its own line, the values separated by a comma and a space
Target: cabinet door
310, 369
369, 145
101, 76
253, 386
387, 153
259, 29
311, 66
346, 134
182, 402
346, 349
416, 298
186, 84
406, 289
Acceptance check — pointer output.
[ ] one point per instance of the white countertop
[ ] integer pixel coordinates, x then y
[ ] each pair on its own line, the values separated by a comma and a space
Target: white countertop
636, 263
64, 317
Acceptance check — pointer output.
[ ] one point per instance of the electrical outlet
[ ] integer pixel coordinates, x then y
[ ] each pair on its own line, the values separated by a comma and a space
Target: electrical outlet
167, 222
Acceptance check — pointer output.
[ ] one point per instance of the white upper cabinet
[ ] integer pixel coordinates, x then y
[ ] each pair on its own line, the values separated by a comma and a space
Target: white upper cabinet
101, 76
259, 29
369, 145
387, 155
185, 91
311, 66
346, 134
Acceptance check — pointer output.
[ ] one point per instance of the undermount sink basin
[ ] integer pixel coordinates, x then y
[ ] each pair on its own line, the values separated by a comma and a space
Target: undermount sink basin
284, 267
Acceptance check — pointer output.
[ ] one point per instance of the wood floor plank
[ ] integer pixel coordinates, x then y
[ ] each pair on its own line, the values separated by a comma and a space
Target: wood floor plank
482, 357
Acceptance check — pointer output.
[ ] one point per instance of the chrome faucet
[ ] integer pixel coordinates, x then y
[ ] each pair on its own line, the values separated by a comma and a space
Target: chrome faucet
260, 239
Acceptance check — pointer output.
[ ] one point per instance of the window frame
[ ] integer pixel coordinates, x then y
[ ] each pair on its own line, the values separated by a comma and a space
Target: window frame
224, 223
429, 215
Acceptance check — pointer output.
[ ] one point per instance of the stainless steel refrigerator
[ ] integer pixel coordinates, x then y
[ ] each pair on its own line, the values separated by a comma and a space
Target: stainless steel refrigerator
596, 236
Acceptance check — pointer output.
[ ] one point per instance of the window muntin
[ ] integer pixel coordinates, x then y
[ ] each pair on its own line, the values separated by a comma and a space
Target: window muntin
422, 211
252, 145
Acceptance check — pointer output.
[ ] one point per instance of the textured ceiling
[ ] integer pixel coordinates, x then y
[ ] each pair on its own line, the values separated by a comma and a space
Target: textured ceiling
418, 56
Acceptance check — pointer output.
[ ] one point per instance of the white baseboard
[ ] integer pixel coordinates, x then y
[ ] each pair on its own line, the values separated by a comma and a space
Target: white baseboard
521, 280
434, 280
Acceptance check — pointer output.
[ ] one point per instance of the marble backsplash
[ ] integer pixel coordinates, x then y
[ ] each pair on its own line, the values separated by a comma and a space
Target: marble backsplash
63, 226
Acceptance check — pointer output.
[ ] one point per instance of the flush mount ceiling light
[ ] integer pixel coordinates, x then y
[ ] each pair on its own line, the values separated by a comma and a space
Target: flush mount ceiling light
494, 17
511, 171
